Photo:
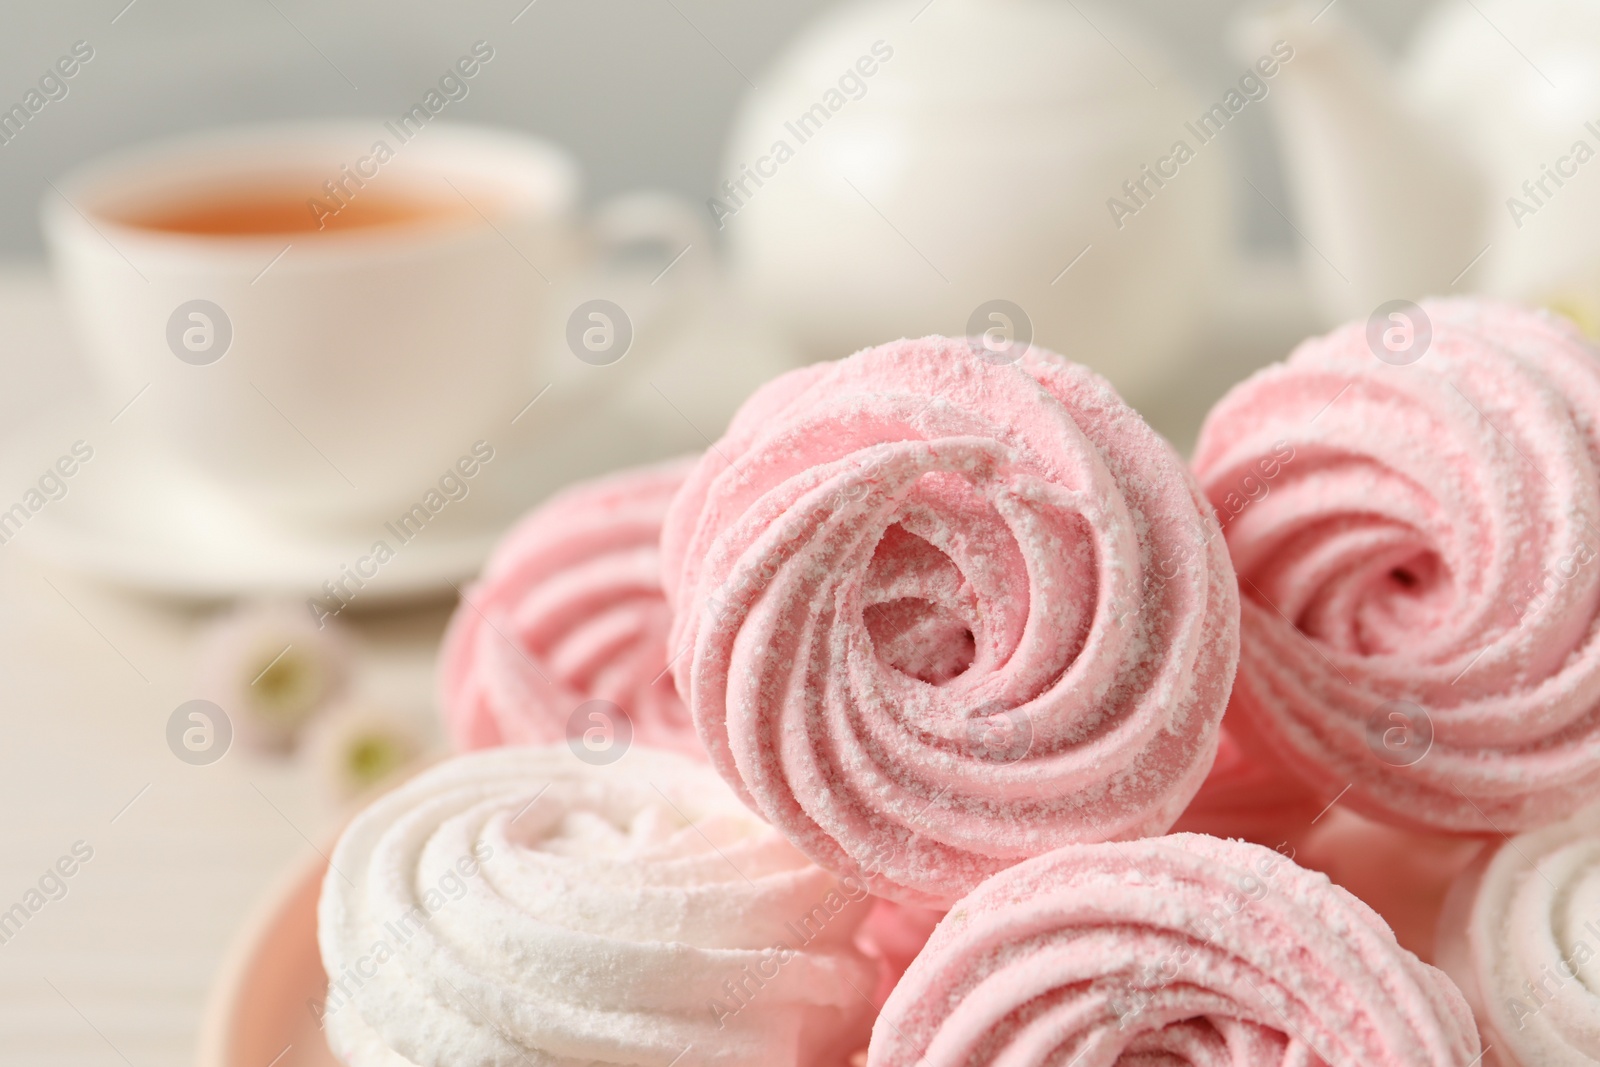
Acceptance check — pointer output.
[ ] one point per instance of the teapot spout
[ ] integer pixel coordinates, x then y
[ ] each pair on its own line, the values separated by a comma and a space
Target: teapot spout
1389, 207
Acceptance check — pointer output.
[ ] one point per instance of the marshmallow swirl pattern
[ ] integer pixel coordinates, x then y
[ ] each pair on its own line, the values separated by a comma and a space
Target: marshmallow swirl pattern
943, 615
1520, 934
1187, 951
516, 905
570, 609
1416, 547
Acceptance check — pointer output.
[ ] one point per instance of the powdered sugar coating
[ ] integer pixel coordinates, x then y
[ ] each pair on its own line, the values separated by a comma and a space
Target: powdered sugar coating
1431, 540
517, 905
1520, 934
570, 609
1182, 949
943, 615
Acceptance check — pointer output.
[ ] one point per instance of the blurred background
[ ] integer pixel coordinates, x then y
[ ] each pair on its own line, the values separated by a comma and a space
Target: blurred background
1007, 169
642, 93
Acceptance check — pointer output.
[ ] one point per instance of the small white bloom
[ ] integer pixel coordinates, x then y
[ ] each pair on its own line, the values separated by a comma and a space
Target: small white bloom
272, 670
356, 748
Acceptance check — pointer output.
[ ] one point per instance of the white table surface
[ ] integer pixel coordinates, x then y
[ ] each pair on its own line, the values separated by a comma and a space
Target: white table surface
118, 970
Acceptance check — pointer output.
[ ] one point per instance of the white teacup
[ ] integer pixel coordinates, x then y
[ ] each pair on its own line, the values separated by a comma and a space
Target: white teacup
381, 321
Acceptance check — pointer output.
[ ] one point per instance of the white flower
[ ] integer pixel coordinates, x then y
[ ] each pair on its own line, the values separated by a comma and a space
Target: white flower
272, 670
356, 748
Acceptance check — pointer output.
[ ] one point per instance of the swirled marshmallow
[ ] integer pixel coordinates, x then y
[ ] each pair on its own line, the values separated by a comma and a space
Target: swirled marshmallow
942, 615
1520, 933
570, 610
518, 905
1416, 548
1178, 950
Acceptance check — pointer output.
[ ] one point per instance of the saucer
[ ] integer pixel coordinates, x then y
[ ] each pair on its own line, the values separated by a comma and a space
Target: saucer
131, 519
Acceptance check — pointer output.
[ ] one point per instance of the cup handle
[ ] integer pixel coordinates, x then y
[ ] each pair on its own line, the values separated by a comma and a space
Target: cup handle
642, 280
649, 251
652, 248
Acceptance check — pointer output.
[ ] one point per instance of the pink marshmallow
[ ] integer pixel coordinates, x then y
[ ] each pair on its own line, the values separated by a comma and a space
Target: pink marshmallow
943, 615
1182, 949
1416, 551
568, 610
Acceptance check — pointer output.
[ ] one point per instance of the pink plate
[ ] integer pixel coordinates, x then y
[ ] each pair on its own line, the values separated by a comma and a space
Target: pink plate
262, 1004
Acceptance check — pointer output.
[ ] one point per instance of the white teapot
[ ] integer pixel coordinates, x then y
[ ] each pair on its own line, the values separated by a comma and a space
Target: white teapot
1465, 168
909, 163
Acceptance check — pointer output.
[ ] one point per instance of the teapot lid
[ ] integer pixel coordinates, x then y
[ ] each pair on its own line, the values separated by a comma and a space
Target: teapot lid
944, 54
